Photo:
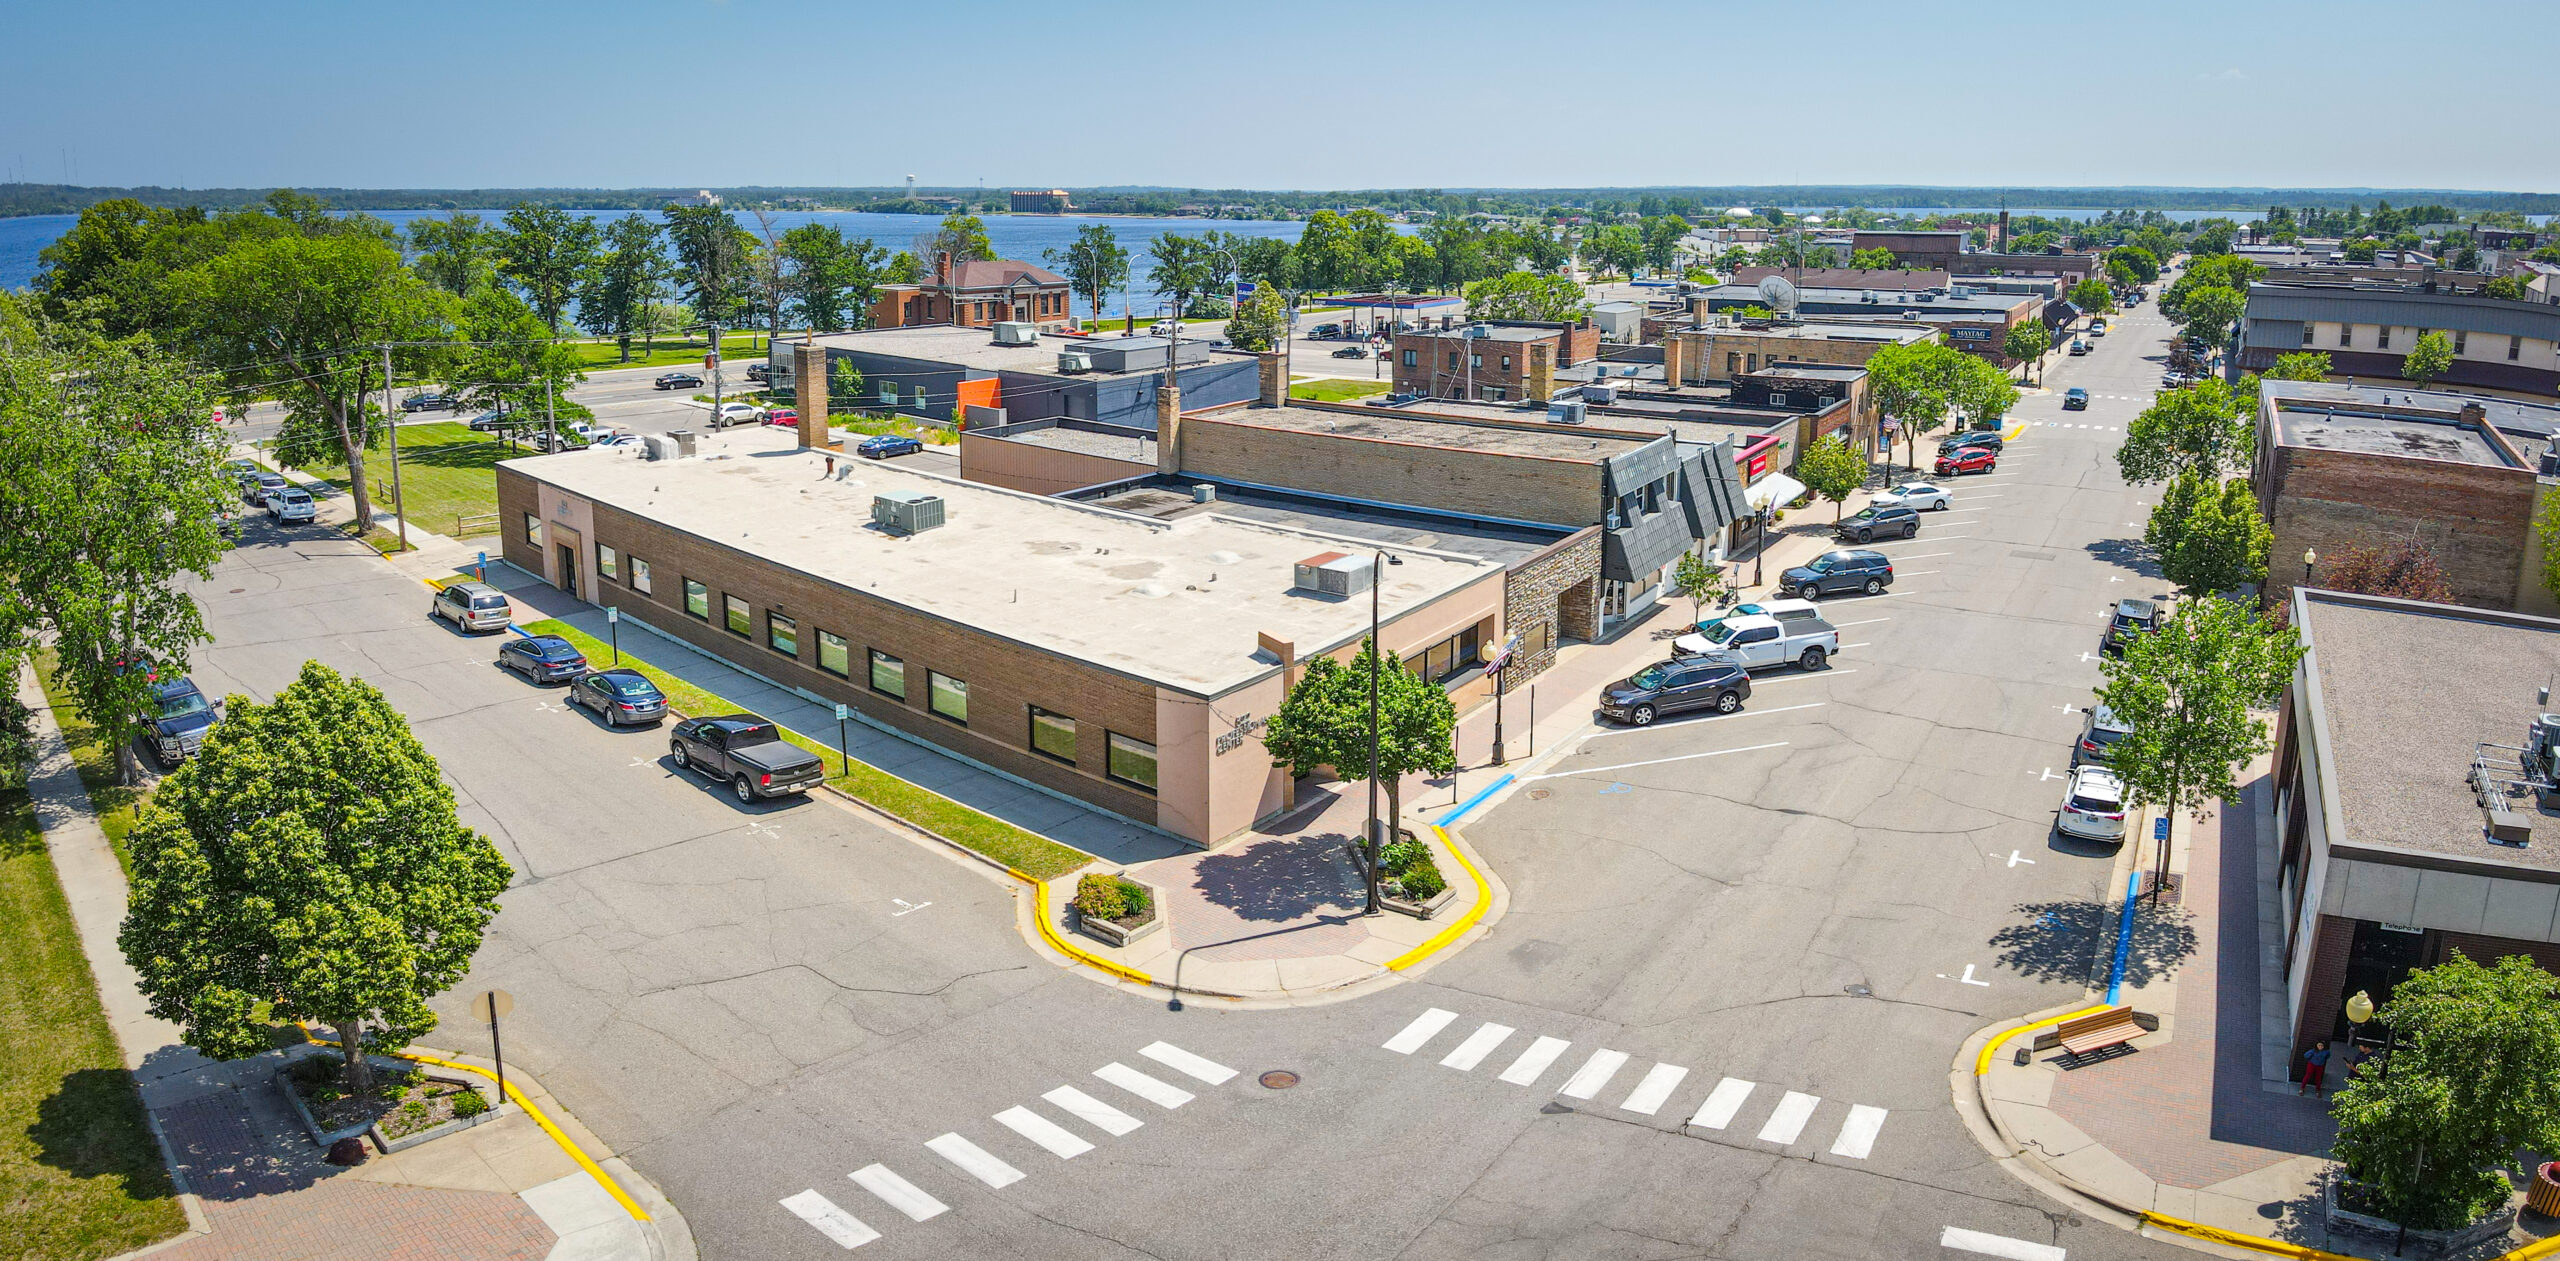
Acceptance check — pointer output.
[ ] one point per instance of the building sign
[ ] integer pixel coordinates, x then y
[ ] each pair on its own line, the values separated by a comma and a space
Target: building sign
1972, 334
1233, 738
1756, 466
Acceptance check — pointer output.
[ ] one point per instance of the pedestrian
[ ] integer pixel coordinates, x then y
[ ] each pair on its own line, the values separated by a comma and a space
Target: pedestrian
2315, 1069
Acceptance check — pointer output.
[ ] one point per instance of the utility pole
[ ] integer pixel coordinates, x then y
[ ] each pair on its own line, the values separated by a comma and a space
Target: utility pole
399, 507
1377, 562
715, 374
550, 420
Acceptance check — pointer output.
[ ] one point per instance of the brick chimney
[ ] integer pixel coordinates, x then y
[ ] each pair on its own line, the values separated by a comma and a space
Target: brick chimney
2004, 231
1542, 371
1275, 379
2475, 415
1168, 430
809, 386
942, 268
1671, 362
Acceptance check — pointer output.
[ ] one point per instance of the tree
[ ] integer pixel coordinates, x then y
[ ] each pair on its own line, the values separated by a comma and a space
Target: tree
2222, 542
2430, 357
630, 269
1328, 252
828, 280
2176, 509
2027, 342
2092, 296
1832, 469
1698, 582
108, 270
111, 493
1616, 248
2198, 428
1324, 722
2406, 570
2509, 288
2473, 1078
1915, 385
711, 256
1260, 323
2142, 265
2301, 365
1876, 259
457, 254
1177, 268
1521, 295
1662, 237
509, 365
307, 865
960, 239
1983, 393
1095, 264
546, 251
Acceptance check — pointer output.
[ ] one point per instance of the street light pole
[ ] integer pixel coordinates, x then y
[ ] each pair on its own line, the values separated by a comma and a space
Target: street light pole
1377, 562
2309, 559
399, 509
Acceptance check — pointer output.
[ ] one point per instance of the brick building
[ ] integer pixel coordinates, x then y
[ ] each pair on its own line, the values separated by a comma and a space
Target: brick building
1922, 250
1489, 362
975, 294
1974, 320
1108, 657
929, 372
2340, 466
2367, 328
1721, 352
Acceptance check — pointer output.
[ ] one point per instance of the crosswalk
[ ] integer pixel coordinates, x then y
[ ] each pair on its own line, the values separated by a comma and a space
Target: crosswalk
1785, 1125
1101, 1116
2065, 424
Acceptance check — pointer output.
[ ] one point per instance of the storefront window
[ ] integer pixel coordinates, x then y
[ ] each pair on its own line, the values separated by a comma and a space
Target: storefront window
888, 674
1133, 761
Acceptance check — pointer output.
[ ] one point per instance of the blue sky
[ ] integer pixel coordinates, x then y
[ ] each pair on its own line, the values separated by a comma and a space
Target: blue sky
461, 93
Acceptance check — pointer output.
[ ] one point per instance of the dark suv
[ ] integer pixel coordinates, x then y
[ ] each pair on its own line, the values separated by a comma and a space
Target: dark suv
1871, 523
2131, 620
1987, 439
1835, 572
1668, 687
2098, 735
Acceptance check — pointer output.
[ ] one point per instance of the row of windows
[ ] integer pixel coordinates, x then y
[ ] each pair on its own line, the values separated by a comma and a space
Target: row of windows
2382, 339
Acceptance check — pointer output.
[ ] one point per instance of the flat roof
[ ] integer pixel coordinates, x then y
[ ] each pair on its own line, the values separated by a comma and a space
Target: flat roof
1449, 428
1120, 443
1174, 603
1396, 525
2401, 740
2353, 419
1810, 371
1698, 418
976, 348
1816, 330
1498, 333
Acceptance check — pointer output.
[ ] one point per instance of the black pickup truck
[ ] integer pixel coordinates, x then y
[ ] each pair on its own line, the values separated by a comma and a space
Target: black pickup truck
748, 752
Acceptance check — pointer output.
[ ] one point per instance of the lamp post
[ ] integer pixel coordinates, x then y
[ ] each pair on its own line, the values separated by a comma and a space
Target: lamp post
2309, 558
1377, 562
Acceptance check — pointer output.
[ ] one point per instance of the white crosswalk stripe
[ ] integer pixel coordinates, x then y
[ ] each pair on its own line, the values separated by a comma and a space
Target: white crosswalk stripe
1160, 1093
1184, 1062
977, 1161
2001, 1246
1047, 1133
835, 1223
1651, 1093
1477, 1046
898, 1193
1092, 1111
1722, 1102
1788, 1121
1540, 1056
1594, 1074
1411, 1038
1858, 1136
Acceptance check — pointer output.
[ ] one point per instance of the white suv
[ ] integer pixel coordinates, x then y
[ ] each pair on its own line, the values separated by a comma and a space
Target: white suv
737, 414
292, 504
2093, 807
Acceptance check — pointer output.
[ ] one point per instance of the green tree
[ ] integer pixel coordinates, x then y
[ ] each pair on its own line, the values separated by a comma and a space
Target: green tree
108, 271
1832, 469
1095, 265
1178, 268
1521, 295
1616, 248
2430, 357
1260, 323
828, 280
2474, 1078
2302, 365
2028, 342
1698, 582
711, 259
2142, 265
1458, 252
2179, 501
2509, 288
546, 251
960, 239
1983, 394
2200, 428
458, 253
1876, 259
2092, 296
1916, 385
508, 364
1662, 237
1328, 252
307, 865
2221, 545
630, 270
1324, 722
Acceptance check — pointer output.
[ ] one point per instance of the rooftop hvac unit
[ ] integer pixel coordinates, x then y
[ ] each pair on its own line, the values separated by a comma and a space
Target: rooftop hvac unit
659, 446
1479, 330
1567, 412
1074, 361
906, 511
1203, 493
1867, 296
1017, 333
1599, 393
1909, 314
683, 438
1960, 291
1336, 573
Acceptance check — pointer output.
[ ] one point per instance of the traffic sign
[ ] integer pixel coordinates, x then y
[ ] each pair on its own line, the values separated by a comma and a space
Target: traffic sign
612, 613
491, 1004
843, 712
2160, 829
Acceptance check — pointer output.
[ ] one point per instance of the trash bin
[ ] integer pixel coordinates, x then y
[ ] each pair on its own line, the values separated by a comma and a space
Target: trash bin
2544, 1198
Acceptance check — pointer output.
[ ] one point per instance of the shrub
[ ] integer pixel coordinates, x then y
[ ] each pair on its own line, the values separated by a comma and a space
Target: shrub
469, 1103
1422, 881
414, 1111
1396, 858
1135, 895
1099, 896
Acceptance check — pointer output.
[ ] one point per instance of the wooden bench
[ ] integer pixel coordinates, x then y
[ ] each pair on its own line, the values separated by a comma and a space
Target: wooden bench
2082, 1036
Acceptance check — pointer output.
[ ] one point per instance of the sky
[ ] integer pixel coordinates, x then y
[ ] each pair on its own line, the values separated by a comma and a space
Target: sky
1209, 94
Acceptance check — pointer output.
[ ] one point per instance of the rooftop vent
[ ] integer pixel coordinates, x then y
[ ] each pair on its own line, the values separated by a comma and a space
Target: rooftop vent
1017, 333
683, 438
1336, 574
659, 446
906, 511
1567, 412
1204, 493
1071, 362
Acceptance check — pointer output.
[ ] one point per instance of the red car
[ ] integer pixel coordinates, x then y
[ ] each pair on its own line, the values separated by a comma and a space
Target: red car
785, 417
1967, 460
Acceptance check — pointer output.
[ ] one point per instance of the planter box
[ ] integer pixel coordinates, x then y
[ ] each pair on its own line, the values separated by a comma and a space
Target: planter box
373, 1129
2421, 1243
319, 1137
1109, 933
387, 1145
1418, 910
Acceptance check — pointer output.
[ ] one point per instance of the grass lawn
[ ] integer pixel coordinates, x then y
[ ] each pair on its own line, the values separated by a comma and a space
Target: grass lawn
1023, 851
446, 472
80, 1177
671, 351
1335, 389
118, 804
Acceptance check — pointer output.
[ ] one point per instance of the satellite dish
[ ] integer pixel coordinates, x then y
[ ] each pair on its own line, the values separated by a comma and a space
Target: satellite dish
1780, 294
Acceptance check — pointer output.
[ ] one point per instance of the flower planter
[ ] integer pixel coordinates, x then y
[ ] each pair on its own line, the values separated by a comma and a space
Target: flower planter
387, 1145
372, 1128
2420, 1243
319, 1137
1418, 910
1111, 932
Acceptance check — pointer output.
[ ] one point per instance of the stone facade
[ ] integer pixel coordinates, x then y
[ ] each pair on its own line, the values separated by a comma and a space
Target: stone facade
1549, 599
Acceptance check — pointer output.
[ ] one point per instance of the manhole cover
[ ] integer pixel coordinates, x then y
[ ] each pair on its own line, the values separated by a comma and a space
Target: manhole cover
1858, 990
1539, 794
1279, 1079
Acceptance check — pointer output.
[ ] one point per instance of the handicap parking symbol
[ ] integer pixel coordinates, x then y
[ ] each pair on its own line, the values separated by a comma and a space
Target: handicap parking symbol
1619, 788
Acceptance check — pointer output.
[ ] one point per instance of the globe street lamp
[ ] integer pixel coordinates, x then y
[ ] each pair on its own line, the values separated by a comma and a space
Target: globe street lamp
2309, 558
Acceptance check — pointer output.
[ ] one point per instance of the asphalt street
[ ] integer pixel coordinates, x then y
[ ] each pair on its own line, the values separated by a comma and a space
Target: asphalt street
1740, 956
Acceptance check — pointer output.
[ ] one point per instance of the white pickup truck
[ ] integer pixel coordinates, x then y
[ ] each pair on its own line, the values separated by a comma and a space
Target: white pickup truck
1760, 642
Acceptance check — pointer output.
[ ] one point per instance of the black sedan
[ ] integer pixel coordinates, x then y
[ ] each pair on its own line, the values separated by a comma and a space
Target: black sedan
426, 403
1352, 352
1987, 439
678, 381
620, 697
544, 659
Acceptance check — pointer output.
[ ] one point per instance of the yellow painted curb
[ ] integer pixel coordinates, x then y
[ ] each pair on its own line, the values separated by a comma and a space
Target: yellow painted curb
1982, 1062
2233, 1238
2012, 433
2533, 1251
632, 1206
1484, 899
1049, 932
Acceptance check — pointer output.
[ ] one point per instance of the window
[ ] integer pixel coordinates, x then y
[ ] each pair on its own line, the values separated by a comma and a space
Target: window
947, 696
2306, 332
1475, 361
1777, 398
1453, 361
1053, 734
1506, 363
2461, 340
2346, 334
740, 616
2382, 338
533, 529
1540, 638
888, 674
835, 656
697, 599
640, 575
1408, 359
1732, 363
1132, 762
1446, 659
2515, 347
782, 634
1494, 392
607, 563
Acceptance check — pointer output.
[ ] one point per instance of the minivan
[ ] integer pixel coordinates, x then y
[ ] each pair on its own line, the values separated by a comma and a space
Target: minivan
1682, 683
473, 606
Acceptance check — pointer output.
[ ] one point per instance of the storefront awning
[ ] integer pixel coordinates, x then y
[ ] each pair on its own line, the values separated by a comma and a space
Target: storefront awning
1776, 488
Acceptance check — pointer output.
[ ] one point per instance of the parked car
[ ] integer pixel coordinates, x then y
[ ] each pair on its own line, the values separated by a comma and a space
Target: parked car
1352, 352
615, 438
2093, 806
1872, 522
2079, 346
1967, 460
181, 717
785, 417
881, 446
1988, 439
620, 697
1783, 610
543, 658
678, 381
473, 606
2099, 732
2075, 399
426, 403
1760, 642
1831, 573
759, 372
292, 504
1682, 683
736, 414
748, 752
255, 487
2130, 620
1921, 495
492, 421
2098, 328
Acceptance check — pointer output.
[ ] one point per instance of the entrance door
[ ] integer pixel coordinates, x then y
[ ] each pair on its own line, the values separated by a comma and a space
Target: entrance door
568, 567
2378, 958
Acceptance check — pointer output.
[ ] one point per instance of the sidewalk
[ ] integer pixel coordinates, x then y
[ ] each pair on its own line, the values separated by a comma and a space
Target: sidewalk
254, 1185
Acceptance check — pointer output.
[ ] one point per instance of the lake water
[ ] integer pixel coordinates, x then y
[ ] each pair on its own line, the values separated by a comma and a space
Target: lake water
1025, 237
